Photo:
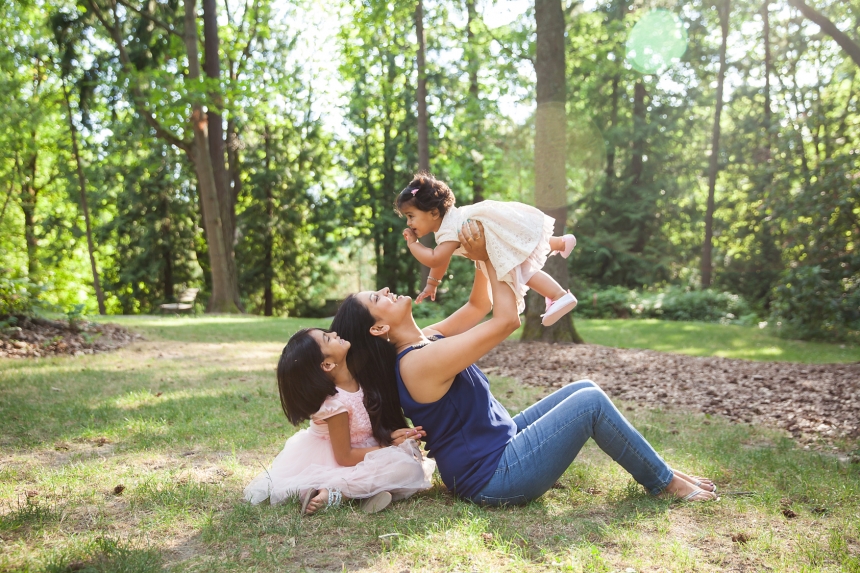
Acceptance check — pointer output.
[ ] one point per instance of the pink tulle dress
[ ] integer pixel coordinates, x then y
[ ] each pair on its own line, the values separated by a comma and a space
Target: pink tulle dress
307, 460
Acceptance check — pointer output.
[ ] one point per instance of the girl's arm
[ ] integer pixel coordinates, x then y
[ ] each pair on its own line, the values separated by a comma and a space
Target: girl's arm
430, 371
344, 454
433, 258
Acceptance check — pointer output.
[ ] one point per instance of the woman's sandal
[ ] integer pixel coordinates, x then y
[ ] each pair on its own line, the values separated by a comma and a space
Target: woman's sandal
306, 495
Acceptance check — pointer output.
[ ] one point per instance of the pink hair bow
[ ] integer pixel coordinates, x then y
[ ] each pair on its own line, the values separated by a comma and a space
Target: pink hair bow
414, 191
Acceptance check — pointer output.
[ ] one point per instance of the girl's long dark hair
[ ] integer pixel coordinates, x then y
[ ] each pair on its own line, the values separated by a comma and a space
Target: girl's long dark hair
302, 384
371, 362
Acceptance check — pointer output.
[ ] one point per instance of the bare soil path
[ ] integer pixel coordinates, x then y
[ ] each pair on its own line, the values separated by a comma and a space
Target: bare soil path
811, 401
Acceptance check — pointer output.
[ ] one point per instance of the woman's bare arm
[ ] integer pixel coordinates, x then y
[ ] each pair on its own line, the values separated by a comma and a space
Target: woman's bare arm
474, 311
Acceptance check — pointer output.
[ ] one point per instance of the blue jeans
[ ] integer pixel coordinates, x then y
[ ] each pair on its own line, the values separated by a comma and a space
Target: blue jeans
552, 432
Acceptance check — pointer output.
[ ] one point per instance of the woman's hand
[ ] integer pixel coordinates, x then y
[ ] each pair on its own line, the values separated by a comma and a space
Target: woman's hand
473, 241
410, 236
403, 434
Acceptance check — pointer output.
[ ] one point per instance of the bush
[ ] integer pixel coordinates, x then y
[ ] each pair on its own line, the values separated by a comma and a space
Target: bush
674, 303
809, 303
19, 296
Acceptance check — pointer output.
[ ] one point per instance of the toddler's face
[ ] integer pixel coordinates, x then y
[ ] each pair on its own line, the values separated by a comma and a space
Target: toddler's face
421, 222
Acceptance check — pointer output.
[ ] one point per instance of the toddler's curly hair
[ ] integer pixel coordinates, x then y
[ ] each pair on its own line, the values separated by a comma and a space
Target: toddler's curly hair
425, 193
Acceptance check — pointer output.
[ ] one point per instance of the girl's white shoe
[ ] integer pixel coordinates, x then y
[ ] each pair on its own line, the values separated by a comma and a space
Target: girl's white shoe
555, 309
569, 244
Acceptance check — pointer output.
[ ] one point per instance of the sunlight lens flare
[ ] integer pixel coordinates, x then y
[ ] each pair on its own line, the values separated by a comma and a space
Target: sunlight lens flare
657, 41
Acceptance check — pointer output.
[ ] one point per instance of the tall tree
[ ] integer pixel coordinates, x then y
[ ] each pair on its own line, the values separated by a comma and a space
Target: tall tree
724, 8
225, 293
550, 153
423, 127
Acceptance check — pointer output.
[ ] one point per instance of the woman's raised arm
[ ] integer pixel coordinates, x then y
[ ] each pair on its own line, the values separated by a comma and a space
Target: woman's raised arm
429, 372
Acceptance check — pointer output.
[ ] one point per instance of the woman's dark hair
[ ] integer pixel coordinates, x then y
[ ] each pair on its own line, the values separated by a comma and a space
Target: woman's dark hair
371, 362
429, 193
302, 384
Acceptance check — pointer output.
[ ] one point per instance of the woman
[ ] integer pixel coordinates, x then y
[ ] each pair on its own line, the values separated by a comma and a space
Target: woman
482, 453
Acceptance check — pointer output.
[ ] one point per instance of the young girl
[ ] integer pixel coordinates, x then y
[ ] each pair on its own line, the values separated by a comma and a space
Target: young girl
344, 452
519, 239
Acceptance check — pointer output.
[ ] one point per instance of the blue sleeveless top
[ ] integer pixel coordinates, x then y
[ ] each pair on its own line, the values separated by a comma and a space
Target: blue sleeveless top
467, 429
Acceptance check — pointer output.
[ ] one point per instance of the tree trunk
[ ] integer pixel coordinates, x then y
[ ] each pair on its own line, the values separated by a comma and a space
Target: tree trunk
167, 252
713, 169
212, 68
851, 47
82, 184
550, 153
224, 292
423, 136
473, 106
268, 297
29, 195
637, 165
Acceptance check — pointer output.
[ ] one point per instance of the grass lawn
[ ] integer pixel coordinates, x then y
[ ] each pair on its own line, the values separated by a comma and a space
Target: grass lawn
136, 460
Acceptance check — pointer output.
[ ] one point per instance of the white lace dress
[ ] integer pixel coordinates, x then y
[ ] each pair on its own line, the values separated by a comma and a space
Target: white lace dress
307, 460
517, 239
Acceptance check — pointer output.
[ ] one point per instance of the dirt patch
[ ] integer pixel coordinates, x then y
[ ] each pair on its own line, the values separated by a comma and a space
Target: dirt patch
811, 401
31, 337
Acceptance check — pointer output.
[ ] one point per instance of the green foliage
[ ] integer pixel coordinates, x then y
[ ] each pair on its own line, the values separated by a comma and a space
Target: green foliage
811, 303
673, 303
18, 296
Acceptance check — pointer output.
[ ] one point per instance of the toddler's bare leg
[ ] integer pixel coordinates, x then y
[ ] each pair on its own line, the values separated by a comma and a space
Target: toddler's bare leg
556, 244
545, 285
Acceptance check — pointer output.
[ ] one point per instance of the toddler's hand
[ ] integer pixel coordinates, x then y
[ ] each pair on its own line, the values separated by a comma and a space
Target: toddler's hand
410, 236
428, 292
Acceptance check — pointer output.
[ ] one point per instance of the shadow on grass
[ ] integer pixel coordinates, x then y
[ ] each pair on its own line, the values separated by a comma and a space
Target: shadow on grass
106, 555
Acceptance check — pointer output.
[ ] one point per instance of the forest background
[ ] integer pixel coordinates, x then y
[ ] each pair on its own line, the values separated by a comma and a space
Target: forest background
254, 148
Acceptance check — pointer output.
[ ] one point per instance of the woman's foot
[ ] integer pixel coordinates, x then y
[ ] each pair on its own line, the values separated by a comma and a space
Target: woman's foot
700, 482
682, 490
555, 309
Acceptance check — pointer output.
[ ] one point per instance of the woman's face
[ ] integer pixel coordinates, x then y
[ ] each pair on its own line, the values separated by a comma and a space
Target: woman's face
385, 306
333, 347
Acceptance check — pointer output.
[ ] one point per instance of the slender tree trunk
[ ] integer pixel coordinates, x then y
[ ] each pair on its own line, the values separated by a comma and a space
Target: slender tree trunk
29, 195
610, 152
212, 69
167, 252
550, 153
268, 297
473, 106
637, 166
423, 136
724, 9
224, 292
82, 184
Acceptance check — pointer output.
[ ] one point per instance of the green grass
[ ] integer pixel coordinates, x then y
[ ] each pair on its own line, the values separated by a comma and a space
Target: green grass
186, 418
693, 338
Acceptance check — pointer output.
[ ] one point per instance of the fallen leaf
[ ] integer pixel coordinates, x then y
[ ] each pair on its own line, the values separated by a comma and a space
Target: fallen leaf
789, 513
118, 489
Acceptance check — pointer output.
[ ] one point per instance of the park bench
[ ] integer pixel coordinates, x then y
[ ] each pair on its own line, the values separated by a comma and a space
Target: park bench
184, 301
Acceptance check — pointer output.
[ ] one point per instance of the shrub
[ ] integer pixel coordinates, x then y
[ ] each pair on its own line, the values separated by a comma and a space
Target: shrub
19, 296
809, 303
673, 303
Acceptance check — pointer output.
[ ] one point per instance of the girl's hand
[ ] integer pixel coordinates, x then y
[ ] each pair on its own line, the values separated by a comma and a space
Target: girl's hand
473, 241
410, 236
403, 434
428, 292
